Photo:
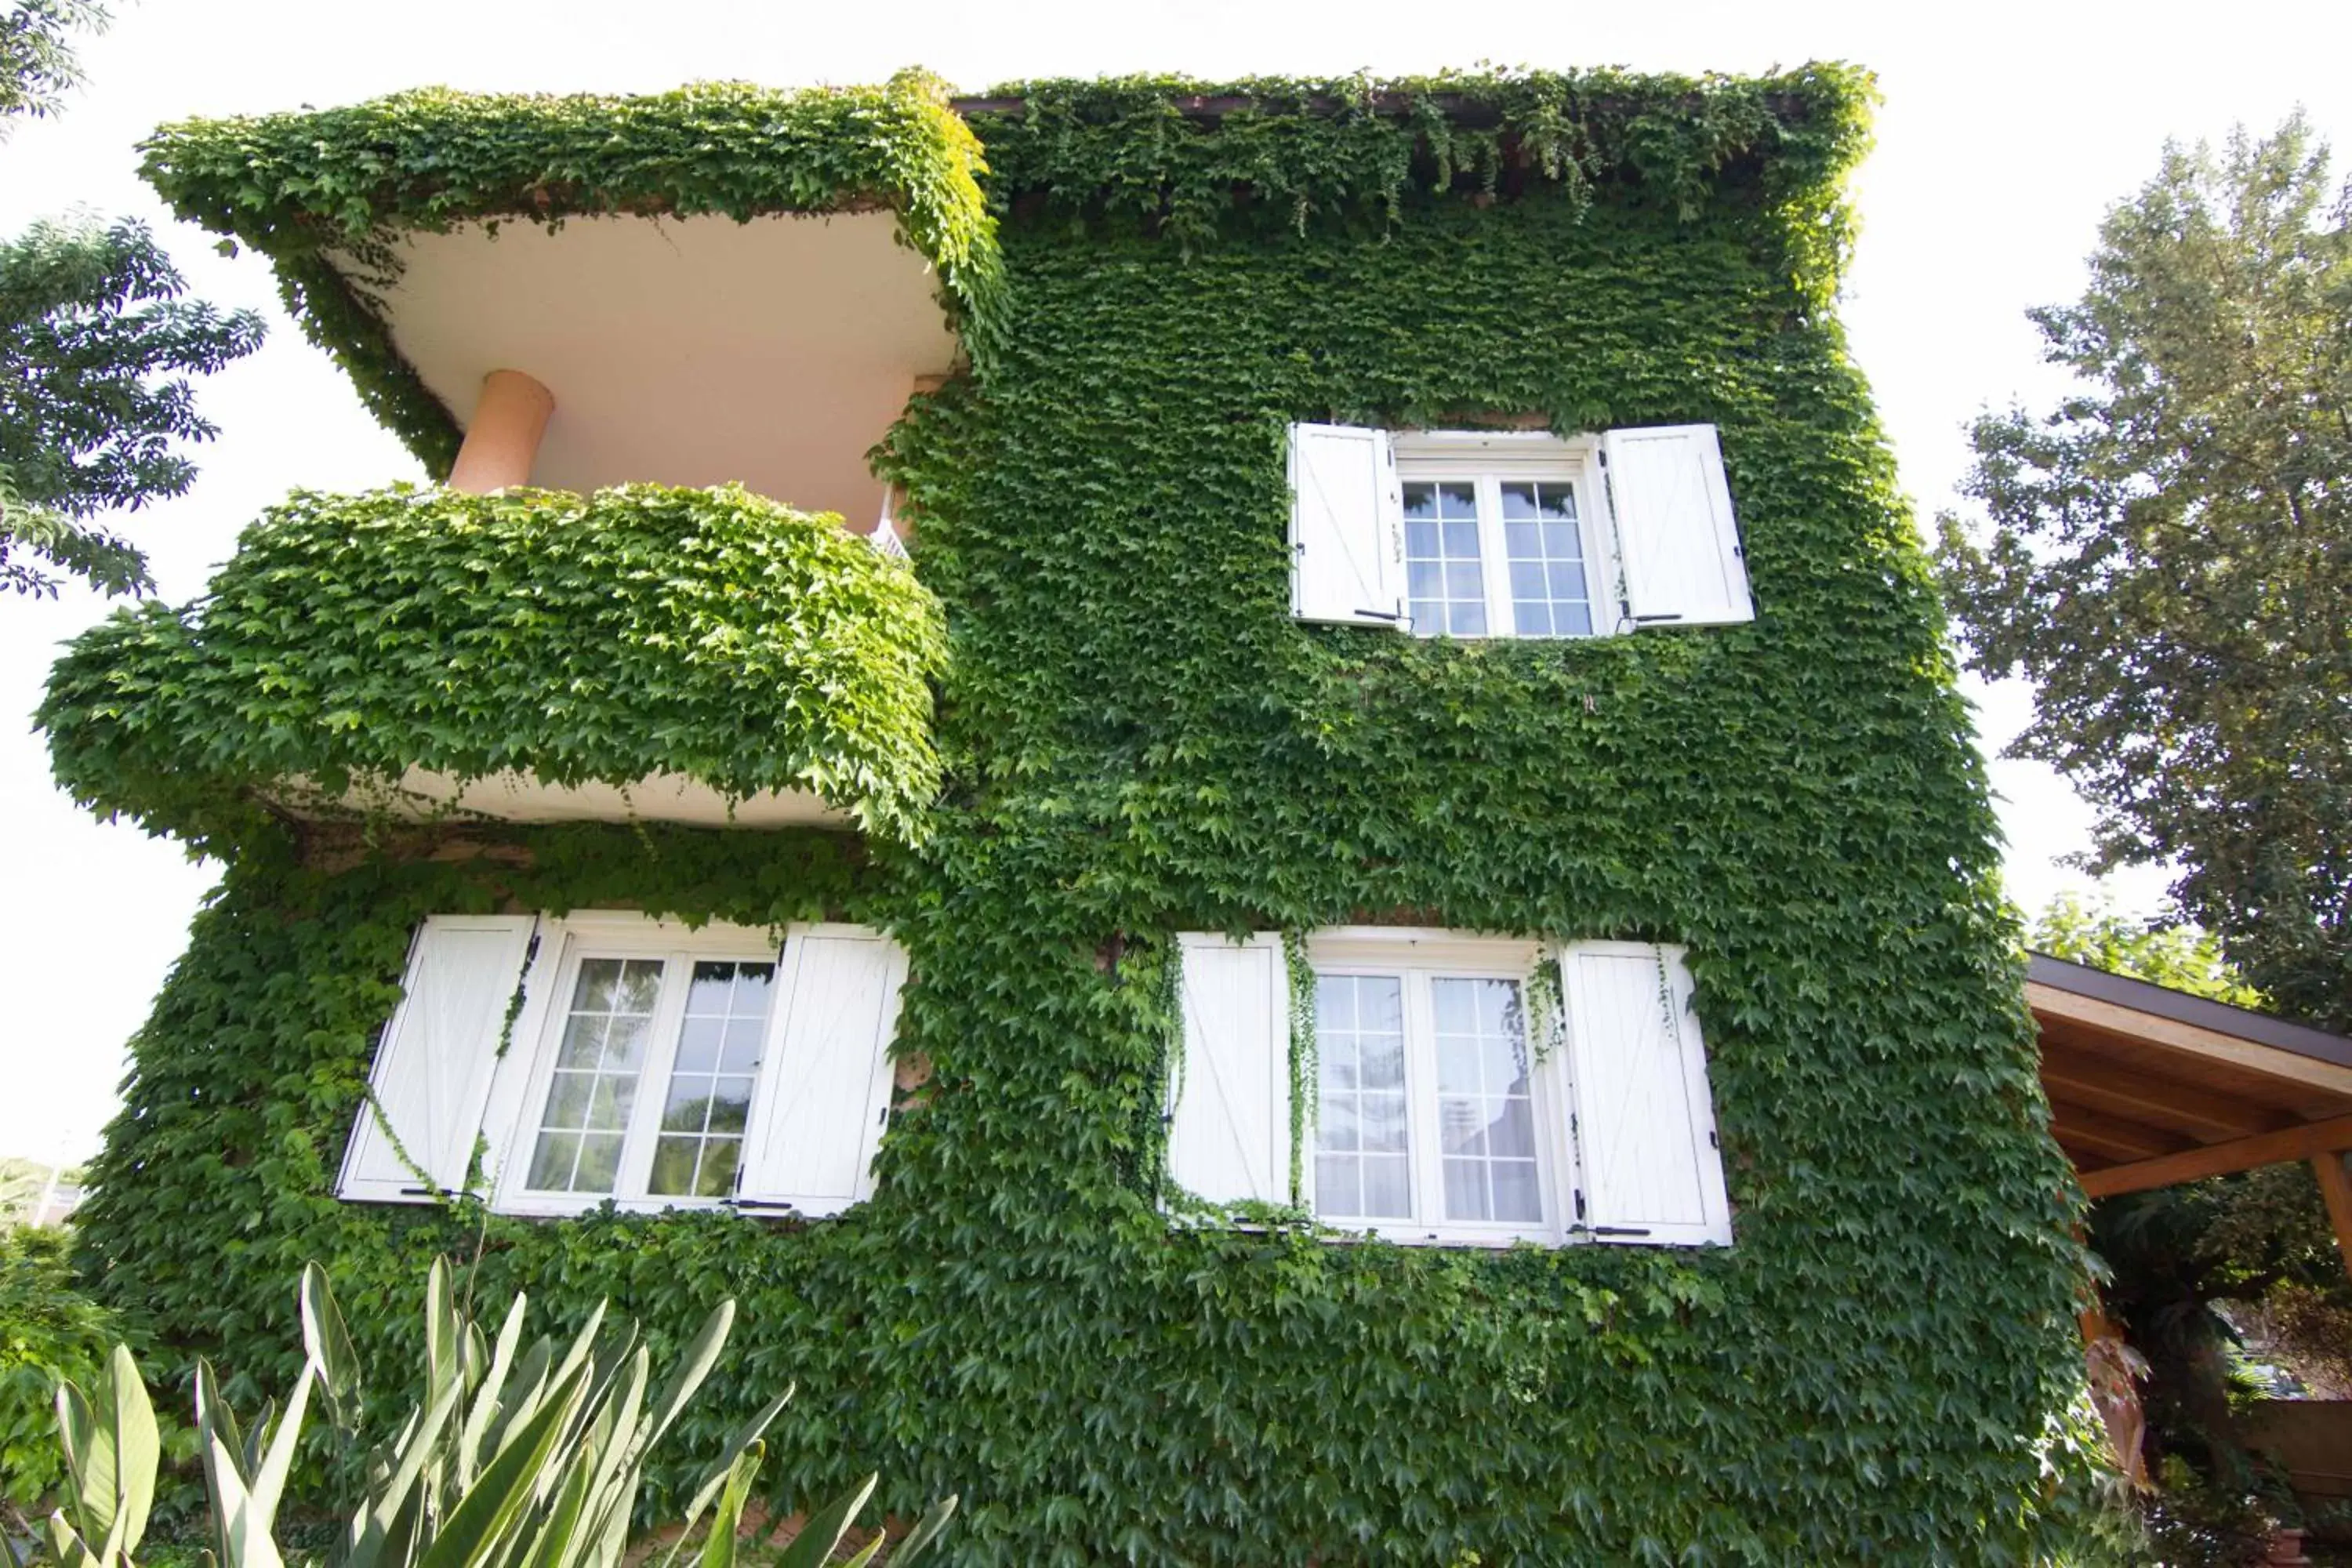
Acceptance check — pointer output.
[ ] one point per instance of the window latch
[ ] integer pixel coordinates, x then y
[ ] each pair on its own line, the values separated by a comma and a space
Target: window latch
1580, 1204
759, 1203
1618, 1230
1382, 615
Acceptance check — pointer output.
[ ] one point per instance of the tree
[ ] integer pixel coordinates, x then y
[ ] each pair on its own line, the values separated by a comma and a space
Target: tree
36, 58
2178, 956
95, 343
2169, 556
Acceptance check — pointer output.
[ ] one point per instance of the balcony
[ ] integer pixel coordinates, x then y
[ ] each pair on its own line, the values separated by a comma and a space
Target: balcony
722, 285
643, 652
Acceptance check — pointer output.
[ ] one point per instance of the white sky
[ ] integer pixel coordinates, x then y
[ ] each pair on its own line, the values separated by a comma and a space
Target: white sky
2007, 130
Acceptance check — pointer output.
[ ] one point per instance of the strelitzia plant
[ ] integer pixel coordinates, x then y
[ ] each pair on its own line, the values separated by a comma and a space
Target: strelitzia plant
512, 1458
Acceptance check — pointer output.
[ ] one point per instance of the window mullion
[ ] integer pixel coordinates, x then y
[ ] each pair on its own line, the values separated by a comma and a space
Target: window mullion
1421, 1101
635, 1174
541, 1081
1495, 557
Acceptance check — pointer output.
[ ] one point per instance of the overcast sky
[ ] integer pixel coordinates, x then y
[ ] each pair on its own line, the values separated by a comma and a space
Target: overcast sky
2007, 131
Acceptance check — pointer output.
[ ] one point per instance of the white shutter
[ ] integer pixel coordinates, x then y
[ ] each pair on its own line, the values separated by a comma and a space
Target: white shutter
884, 537
1347, 526
826, 1077
1644, 1124
1229, 1137
432, 1074
1675, 532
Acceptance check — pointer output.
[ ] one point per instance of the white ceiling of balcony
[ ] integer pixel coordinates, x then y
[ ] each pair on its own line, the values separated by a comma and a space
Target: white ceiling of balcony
691, 352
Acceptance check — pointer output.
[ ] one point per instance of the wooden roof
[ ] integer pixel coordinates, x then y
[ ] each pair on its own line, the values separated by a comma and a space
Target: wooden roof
2149, 1086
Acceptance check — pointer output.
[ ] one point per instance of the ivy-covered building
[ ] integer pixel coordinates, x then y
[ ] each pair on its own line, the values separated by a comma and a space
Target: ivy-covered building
1245, 798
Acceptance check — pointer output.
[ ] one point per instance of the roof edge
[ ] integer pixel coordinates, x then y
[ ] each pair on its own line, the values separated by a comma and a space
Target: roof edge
2164, 1002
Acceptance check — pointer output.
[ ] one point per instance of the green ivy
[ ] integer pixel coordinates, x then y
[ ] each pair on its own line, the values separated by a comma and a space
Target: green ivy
326, 196
1137, 741
639, 630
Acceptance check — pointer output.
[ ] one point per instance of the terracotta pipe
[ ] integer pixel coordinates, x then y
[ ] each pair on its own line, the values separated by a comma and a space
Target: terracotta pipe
503, 437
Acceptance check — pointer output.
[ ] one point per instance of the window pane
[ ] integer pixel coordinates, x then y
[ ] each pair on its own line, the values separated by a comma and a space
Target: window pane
697, 1045
1361, 1171
595, 1083
1444, 575
1485, 1114
710, 1096
1465, 1190
1388, 1187
1548, 592
600, 1163
1517, 1197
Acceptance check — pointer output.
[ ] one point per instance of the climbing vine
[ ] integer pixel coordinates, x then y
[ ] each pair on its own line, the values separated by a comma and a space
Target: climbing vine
638, 631
1135, 740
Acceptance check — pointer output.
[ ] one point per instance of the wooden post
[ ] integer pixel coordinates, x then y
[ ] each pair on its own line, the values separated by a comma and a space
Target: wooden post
2335, 1186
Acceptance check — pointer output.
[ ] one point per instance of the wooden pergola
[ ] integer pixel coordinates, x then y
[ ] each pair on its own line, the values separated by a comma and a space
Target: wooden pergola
2149, 1086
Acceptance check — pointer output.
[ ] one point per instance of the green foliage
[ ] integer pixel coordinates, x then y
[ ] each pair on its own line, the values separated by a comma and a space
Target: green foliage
2171, 551
643, 629
296, 187
49, 1329
37, 66
97, 345
2180, 957
512, 1458
1139, 741
1187, 157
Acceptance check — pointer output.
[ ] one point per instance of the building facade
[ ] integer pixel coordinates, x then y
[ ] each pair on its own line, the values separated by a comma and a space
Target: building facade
1244, 798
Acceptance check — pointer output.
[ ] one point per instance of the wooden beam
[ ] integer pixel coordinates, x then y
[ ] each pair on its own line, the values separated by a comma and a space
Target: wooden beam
2335, 1186
2123, 1089
2248, 1056
2113, 1135
2220, 1159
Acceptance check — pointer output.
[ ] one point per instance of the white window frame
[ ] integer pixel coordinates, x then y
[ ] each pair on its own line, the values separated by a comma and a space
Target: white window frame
1489, 459
1419, 955
526, 1072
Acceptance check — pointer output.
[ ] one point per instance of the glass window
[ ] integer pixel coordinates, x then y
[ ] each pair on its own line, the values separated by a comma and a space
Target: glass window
594, 1083
1444, 578
701, 1066
1546, 551
1425, 1110
709, 1100
1362, 1145
1499, 553
1485, 1115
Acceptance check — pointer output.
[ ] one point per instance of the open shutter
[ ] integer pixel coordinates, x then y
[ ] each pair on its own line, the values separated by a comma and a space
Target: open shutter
431, 1080
1347, 526
1229, 1137
1645, 1123
884, 537
1676, 531
826, 1087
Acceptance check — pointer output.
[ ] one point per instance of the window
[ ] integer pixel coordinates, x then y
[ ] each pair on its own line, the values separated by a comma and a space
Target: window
1446, 1109
1498, 552
1426, 1115
1513, 533
645, 1065
692, 1029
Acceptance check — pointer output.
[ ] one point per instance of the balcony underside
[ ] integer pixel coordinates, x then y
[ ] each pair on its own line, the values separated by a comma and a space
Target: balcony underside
697, 352
422, 795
